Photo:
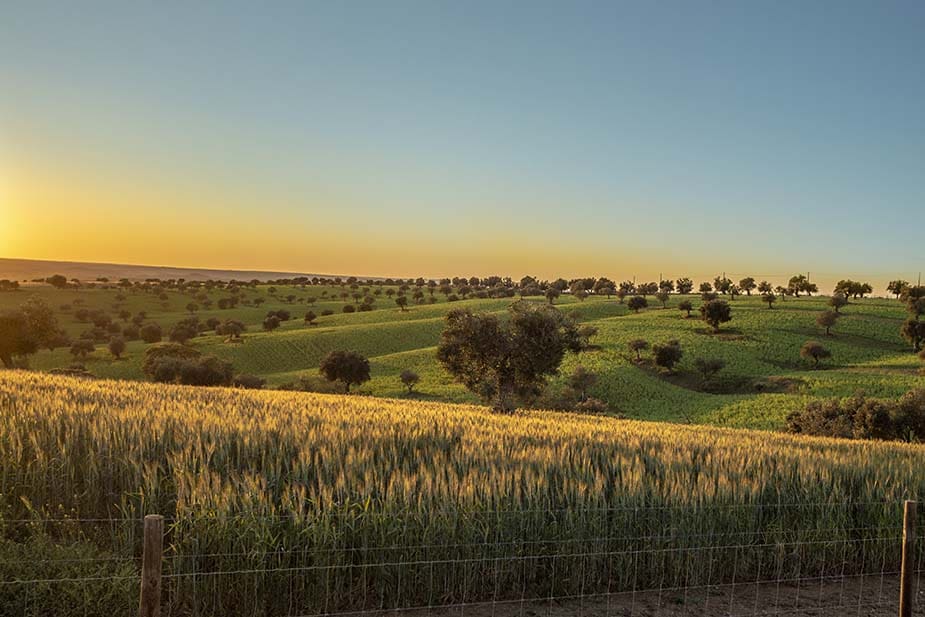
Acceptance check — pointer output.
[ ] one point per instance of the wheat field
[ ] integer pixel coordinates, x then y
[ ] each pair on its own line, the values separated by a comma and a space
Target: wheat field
298, 494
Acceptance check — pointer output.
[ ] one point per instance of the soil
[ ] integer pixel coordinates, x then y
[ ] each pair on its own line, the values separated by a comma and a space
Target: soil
867, 596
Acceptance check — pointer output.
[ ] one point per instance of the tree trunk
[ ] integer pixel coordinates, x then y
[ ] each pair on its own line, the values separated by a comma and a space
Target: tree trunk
7, 359
504, 402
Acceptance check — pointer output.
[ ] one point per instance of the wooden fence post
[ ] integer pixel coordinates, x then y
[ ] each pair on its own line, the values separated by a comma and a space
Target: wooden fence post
905, 583
149, 604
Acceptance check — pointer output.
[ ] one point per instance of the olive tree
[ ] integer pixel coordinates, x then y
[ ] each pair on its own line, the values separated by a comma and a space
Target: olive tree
504, 361
715, 312
827, 319
813, 350
409, 379
347, 367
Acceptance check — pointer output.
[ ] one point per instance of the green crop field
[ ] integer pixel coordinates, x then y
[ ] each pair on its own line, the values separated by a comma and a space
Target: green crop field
764, 377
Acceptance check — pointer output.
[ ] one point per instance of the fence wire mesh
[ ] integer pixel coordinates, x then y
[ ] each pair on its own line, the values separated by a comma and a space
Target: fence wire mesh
759, 560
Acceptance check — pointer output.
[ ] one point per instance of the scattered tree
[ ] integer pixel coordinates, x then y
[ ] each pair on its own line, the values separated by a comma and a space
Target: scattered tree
769, 298
638, 345
82, 348
747, 285
687, 306
409, 379
503, 361
913, 331
837, 301
667, 355
896, 287
716, 312
581, 380
827, 319
813, 350
116, 347
636, 303
151, 333
347, 367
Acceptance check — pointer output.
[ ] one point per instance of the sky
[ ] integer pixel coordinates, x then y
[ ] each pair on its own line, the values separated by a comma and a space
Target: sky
436, 138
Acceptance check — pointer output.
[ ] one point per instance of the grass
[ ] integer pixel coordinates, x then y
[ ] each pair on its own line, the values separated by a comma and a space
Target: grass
763, 380
317, 485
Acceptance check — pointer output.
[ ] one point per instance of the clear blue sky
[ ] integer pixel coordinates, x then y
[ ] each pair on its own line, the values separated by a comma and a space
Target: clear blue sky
438, 138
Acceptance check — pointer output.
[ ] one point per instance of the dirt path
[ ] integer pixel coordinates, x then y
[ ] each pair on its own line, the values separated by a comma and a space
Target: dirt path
869, 596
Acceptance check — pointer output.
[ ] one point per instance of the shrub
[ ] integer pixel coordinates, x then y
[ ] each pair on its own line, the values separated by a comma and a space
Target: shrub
859, 417
667, 355
636, 303
151, 333
249, 382
183, 332
160, 351
200, 371
130, 333
82, 348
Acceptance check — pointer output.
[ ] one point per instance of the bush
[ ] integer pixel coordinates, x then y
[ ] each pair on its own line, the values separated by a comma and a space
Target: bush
349, 308
859, 417
82, 348
130, 333
182, 332
151, 333
154, 354
201, 371
636, 303
667, 355
249, 382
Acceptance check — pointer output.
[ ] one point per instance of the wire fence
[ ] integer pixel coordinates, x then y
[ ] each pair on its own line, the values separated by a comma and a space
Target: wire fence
757, 560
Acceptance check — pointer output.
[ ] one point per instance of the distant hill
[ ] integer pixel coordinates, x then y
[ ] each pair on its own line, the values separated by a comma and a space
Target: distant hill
28, 269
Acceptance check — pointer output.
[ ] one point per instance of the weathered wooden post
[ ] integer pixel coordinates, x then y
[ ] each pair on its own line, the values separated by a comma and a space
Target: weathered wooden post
150, 603
908, 567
